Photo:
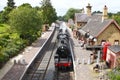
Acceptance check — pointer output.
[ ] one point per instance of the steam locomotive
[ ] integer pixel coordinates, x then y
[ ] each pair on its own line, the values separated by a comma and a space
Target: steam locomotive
63, 57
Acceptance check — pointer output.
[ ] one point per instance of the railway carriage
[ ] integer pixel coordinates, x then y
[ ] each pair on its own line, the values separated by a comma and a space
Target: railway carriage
63, 58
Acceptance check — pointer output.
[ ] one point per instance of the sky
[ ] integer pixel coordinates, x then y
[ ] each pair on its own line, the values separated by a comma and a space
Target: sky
62, 6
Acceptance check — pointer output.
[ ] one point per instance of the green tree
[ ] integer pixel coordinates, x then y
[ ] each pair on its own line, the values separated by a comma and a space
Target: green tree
11, 3
61, 18
4, 15
48, 12
27, 5
115, 16
71, 12
99, 12
26, 21
110, 14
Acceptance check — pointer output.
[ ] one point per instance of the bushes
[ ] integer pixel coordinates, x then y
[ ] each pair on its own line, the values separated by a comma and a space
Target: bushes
3, 59
12, 49
115, 74
3, 42
11, 52
11, 44
29, 37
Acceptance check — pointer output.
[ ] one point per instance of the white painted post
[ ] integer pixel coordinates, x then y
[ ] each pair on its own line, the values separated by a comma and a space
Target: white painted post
98, 59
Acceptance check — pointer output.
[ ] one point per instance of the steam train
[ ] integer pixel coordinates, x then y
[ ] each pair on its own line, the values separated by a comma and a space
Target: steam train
63, 57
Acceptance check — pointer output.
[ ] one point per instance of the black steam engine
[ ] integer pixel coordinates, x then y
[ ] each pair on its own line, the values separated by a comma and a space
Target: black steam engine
63, 58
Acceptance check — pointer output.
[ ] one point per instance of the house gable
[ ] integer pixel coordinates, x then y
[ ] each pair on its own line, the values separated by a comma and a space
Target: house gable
80, 19
106, 26
110, 32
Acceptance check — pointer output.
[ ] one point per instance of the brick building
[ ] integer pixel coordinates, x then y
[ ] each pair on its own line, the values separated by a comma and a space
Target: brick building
113, 55
98, 27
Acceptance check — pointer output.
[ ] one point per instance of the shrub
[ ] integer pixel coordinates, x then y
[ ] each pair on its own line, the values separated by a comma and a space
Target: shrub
3, 42
3, 59
115, 74
14, 47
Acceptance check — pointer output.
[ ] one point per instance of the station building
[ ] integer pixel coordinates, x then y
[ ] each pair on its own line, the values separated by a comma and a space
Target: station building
97, 28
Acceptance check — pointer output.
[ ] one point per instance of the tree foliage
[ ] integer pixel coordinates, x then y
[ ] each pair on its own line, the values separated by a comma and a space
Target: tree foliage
10, 3
27, 5
48, 12
4, 14
99, 12
61, 18
71, 12
25, 20
116, 17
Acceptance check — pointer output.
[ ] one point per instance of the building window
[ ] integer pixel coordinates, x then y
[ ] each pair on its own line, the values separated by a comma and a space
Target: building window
103, 42
116, 42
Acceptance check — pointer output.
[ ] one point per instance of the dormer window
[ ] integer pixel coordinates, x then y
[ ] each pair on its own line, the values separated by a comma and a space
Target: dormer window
103, 42
116, 42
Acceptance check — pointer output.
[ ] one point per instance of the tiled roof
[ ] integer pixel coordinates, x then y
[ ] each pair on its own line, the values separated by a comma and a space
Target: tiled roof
114, 48
80, 17
95, 25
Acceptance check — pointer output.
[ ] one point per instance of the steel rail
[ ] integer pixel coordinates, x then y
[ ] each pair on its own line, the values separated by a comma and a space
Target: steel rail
38, 54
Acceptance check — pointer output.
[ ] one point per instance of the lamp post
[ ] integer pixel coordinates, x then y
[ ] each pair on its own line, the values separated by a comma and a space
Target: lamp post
95, 40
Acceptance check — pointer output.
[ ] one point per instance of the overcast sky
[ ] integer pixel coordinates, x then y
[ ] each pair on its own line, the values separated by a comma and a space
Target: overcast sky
62, 6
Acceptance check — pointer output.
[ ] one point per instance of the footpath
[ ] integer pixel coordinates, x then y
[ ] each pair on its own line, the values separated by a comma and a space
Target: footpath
15, 67
83, 70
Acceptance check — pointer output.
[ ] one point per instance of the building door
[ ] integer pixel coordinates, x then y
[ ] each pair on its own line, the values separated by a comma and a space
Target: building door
112, 61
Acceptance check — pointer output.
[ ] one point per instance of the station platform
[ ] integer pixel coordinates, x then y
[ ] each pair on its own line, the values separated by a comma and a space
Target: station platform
15, 67
83, 70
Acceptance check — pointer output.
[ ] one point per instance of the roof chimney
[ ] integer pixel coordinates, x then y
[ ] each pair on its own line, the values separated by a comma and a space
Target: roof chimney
83, 11
105, 13
88, 9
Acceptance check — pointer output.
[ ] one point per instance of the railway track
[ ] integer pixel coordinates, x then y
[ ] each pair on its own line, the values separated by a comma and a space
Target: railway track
40, 67
38, 71
64, 75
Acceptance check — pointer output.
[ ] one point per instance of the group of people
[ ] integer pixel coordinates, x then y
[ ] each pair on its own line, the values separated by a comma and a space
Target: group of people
81, 42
